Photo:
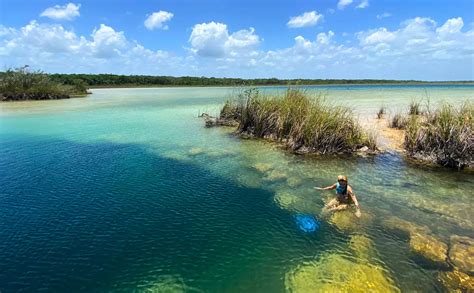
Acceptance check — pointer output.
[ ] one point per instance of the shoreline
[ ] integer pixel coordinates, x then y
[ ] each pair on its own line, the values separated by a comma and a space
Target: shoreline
280, 85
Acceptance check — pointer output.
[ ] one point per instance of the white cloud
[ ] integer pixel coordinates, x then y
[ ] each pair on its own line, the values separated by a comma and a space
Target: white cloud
384, 15
53, 48
363, 4
157, 20
418, 49
419, 39
66, 12
306, 19
381, 35
343, 3
208, 39
451, 26
107, 42
213, 40
243, 39
323, 38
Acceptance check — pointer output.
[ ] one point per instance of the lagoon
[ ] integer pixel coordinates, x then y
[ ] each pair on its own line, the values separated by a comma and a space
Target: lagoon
125, 190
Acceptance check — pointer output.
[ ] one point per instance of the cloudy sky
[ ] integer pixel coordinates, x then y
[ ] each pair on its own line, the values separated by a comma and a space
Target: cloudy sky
381, 39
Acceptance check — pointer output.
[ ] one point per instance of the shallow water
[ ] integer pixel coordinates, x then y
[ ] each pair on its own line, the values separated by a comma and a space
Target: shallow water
126, 190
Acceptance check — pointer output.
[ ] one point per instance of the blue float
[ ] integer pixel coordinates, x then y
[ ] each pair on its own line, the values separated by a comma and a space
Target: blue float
307, 223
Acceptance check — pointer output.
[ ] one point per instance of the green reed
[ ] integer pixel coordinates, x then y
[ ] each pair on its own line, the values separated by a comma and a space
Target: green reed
305, 122
444, 135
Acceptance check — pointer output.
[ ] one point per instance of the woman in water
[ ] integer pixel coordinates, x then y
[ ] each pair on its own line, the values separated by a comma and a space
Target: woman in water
345, 196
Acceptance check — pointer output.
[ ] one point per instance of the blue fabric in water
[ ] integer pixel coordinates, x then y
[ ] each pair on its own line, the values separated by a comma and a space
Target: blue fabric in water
307, 223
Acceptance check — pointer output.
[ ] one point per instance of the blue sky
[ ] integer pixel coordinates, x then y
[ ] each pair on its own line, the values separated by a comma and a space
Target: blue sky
413, 39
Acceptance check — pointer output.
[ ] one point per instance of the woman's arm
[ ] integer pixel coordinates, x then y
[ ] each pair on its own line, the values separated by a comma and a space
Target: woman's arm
331, 187
354, 200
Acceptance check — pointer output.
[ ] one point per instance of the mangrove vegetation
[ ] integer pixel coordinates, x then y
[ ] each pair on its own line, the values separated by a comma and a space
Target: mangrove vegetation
21, 84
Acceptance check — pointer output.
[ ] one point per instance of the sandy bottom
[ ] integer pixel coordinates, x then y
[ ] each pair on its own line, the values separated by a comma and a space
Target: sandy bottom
388, 139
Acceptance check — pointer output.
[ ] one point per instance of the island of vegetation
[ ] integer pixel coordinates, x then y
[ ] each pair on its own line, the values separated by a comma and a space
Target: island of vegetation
444, 135
21, 84
306, 123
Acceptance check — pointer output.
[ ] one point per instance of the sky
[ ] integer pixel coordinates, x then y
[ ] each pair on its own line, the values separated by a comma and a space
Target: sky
320, 39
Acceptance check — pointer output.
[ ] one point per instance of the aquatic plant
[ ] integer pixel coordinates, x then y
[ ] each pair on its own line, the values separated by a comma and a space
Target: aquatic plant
444, 136
22, 84
382, 111
304, 122
398, 121
414, 108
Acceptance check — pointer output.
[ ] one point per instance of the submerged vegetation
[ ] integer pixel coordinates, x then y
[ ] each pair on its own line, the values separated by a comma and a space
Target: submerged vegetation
22, 84
305, 123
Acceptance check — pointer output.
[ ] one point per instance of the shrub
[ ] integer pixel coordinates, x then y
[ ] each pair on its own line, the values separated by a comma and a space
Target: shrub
21, 83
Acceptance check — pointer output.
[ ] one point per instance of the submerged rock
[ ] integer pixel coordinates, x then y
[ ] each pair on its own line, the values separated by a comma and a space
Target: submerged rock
211, 121
461, 253
362, 246
456, 281
294, 181
166, 283
275, 175
429, 247
404, 227
421, 242
196, 151
286, 199
347, 221
334, 273
262, 167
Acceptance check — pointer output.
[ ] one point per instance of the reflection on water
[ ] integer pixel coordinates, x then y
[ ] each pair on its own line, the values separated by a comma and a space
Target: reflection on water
126, 190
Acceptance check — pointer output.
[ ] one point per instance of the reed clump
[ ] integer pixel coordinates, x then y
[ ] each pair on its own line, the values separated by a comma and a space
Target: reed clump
399, 121
305, 123
414, 108
382, 111
444, 136
22, 84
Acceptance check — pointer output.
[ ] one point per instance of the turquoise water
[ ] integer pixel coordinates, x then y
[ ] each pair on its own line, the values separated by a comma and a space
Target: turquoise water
125, 190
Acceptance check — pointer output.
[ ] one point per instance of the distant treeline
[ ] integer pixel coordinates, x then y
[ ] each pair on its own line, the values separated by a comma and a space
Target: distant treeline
112, 80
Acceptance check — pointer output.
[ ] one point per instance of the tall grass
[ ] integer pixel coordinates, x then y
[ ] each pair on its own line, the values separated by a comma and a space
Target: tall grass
414, 108
382, 111
304, 122
445, 135
399, 121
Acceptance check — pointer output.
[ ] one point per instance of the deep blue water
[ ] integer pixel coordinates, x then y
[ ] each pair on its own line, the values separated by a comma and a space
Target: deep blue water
125, 190
97, 217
